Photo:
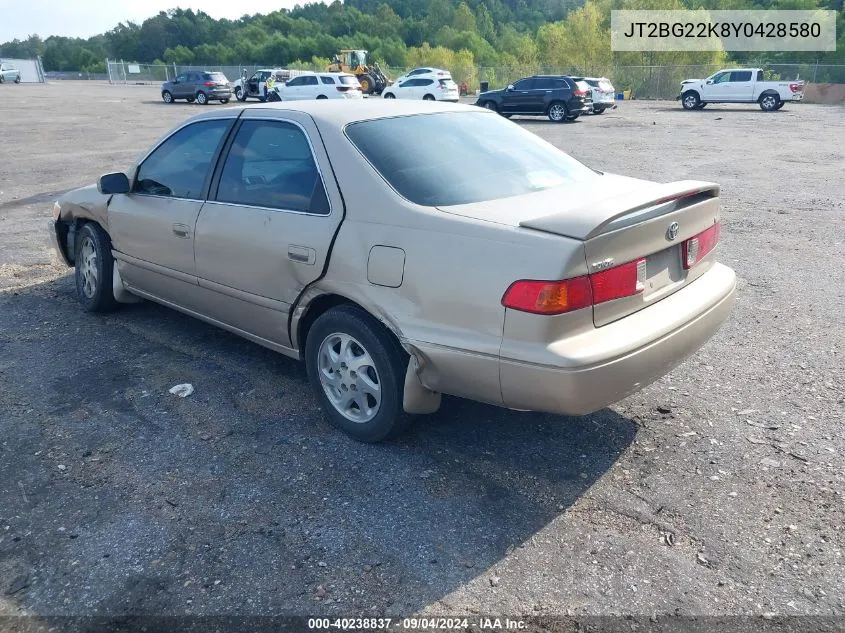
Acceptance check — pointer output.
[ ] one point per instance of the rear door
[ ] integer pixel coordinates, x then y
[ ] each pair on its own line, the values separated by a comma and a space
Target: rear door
740, 86
152, 227
266, 231
540, 92
310, 87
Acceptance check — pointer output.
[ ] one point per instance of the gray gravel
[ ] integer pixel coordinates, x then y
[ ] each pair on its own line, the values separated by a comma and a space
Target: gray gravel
717, 490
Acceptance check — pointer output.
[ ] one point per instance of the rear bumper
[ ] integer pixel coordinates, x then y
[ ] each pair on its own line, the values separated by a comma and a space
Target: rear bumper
797, 96
586, 373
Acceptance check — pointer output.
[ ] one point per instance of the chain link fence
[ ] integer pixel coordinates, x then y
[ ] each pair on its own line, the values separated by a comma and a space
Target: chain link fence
643, 82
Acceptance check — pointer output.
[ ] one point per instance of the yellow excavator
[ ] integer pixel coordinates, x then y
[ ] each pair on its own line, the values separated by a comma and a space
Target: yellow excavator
371, 78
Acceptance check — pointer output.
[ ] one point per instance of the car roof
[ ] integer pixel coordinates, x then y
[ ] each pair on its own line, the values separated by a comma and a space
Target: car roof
337, 113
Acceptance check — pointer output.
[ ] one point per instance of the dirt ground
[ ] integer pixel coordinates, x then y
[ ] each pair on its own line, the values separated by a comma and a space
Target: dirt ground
716, 491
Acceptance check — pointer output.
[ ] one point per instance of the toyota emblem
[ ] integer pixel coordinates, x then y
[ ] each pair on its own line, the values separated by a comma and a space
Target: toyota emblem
672, 231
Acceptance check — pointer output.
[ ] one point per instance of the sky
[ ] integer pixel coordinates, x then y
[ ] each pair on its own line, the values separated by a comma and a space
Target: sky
83, 18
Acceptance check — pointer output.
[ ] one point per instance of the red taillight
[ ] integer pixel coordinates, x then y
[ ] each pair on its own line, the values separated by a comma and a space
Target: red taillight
210, 84
579, 93
696, 248
621, 281
557, 297
795, 87
549, 297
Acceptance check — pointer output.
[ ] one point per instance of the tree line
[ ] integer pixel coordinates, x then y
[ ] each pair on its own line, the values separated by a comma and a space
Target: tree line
456, 34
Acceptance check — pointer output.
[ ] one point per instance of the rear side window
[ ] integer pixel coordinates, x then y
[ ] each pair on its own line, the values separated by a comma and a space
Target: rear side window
348, 80
327, 80
545, 83
180, 166
270, 164
741, 75
477, 157
309, 80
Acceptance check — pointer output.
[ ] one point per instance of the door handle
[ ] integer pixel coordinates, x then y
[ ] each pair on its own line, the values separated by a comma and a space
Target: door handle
182, 231
302, 254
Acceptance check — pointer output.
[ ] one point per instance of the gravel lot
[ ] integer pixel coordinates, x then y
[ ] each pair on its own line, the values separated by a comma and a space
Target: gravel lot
716, 491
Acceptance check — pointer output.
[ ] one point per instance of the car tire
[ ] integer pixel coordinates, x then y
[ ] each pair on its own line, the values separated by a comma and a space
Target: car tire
490, 105
348, 333
190, 99
2, 79
224, 101
429, 98
18, 79
780, 105
166, 96
701, 106
690, 100
557, 112
572, 117
94, 267
240, 94
322, 97
368, 84
389, 95
202, 98
769, 102
599, 110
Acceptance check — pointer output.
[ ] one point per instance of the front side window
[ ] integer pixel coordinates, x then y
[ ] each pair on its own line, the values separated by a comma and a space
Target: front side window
180, 166
256, 76
477, 157
310, 80
721, 78
271, 165
293, 83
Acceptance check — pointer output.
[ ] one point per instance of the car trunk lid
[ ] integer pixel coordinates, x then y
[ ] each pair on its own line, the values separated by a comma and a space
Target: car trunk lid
648, 226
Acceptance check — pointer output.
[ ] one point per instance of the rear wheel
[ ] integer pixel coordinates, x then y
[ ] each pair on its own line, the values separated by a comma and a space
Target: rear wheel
322, 97
769, 102
557, 112
429, 98
18, 79
224, 101
389, 95
357, 371
368, 84
166, 96
690, 100
94, 268
598, 110
202, 98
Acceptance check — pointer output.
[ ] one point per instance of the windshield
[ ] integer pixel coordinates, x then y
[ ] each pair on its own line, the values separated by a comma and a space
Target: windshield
455, 158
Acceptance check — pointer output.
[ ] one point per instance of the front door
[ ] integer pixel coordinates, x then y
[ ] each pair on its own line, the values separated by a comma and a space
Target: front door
518, 99
717, 88
181, 89
266, 231
152, 228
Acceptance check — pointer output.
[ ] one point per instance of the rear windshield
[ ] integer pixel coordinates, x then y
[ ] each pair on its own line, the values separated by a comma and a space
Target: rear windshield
476, 157
448, 83
348, 80
593, 82
219, 77
604, 84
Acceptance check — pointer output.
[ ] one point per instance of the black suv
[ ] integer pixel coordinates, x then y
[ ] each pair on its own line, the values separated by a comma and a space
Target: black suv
558, 97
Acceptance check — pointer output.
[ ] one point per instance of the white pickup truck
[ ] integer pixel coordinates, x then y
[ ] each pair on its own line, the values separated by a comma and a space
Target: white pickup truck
739, 85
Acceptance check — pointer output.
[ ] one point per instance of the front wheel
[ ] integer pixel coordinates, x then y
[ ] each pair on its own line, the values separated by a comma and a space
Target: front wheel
429, 98
274, 96
769, 102
690, 100
389, 95
202, 98
240, 95
94, 263
224, 101
167, 97
357, 372
18, 79
558, 112
368, 84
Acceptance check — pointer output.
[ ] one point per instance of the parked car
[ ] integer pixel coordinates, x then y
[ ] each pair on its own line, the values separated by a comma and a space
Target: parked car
257, 84
9, 73
488, 265
739, 85
317, 86
426, 87
602, 93
199, 86
427, 71
558, 97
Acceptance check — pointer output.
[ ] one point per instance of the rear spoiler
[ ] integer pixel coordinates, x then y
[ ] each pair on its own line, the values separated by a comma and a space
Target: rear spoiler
615, 213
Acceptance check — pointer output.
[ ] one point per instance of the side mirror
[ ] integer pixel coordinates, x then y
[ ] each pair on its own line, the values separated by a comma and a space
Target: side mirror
113, 184
510, 87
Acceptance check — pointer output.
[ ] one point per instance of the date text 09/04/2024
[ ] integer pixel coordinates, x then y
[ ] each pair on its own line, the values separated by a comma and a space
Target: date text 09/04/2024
415, 624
